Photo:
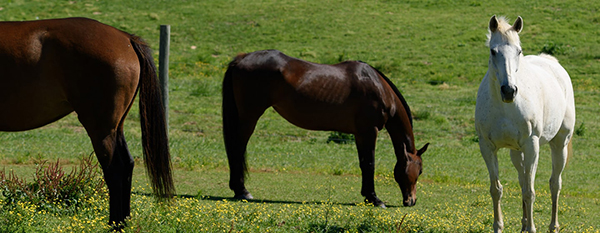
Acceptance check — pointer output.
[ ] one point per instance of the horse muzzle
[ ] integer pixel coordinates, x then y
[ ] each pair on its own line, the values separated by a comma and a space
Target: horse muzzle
411, 201
508, 93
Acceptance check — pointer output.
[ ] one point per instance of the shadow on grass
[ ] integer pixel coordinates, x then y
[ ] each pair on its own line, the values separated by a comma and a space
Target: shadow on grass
218, 198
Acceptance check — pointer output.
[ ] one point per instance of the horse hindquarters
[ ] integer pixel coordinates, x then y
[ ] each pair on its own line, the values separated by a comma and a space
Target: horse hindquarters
102, 101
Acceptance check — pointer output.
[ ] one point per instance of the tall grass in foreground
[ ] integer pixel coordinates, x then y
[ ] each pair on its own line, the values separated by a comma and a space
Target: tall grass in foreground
205, 214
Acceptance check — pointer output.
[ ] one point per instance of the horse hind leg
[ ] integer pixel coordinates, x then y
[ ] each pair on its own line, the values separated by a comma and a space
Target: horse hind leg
104, 125
238, 130
122, 172
517, 160
530, 161
559, 160
117, 166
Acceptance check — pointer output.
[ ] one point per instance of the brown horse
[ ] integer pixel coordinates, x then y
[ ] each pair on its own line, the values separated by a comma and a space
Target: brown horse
50, 68
350, 97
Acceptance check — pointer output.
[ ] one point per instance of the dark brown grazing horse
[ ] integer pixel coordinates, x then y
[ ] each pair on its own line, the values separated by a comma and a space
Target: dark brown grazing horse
50, 68
350, 97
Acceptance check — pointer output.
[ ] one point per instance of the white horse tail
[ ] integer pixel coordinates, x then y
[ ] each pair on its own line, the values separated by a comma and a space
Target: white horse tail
569, 150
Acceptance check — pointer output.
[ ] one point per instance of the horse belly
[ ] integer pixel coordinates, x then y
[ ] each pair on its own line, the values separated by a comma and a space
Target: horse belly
318, 116
28, 106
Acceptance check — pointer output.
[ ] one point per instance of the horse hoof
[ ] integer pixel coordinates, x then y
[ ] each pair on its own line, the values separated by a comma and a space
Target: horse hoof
376, 202
245, 196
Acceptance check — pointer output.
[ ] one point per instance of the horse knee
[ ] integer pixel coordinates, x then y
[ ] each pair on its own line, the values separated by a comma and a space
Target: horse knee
556, 183
496, 191
528, 195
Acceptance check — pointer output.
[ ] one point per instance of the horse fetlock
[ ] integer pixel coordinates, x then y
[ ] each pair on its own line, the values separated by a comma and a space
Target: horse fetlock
498, 226
554, 227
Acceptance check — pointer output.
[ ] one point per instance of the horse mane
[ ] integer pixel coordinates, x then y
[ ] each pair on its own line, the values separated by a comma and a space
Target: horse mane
395, 89
504, 30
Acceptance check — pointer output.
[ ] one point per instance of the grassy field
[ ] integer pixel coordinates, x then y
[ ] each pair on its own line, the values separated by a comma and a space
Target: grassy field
434, 51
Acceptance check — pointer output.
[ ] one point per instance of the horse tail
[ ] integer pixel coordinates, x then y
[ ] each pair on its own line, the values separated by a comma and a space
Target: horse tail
155, 140
395, 89
570, 150
231, 123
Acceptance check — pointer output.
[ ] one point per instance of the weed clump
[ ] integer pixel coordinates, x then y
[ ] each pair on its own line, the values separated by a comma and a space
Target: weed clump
52, 189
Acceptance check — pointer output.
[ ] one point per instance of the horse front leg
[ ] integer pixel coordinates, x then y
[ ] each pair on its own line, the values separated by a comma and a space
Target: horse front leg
489, 154
365, 144
530, 161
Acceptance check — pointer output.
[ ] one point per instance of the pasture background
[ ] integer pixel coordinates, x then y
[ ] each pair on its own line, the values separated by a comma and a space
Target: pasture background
434, 51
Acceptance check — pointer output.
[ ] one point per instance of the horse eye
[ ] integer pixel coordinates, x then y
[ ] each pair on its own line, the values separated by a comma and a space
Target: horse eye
493, 52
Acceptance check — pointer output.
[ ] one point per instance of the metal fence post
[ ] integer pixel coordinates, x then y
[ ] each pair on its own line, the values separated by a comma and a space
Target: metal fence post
163, 67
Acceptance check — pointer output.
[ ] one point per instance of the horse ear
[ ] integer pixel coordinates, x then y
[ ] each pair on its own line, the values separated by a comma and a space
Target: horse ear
422, 150
493, 23
518, 25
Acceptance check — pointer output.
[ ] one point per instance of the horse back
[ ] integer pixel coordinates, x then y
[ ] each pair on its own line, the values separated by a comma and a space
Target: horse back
553, 70
342, 92
332, 84
27, 39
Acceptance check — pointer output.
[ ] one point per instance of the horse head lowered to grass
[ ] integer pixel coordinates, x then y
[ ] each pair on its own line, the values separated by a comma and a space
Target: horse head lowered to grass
51, 68
350, 97
523, 102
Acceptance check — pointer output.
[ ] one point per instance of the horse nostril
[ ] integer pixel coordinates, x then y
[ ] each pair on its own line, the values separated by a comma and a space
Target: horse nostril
506, 90
410, 202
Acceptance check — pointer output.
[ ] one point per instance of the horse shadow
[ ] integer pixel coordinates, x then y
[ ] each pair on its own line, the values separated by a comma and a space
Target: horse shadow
231, 199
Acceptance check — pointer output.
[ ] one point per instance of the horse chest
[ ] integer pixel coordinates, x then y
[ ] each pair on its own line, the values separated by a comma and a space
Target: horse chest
512, 125
507, 125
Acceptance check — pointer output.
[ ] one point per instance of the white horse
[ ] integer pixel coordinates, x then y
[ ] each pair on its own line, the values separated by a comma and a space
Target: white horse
523, 102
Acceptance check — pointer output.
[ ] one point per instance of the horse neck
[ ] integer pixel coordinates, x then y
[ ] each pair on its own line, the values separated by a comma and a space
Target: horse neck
401, 133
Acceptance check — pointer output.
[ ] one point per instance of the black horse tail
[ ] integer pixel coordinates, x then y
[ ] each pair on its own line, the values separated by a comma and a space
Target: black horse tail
231, 123
155, 140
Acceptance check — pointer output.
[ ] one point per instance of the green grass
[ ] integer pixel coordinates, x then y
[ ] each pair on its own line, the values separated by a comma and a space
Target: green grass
434, 51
